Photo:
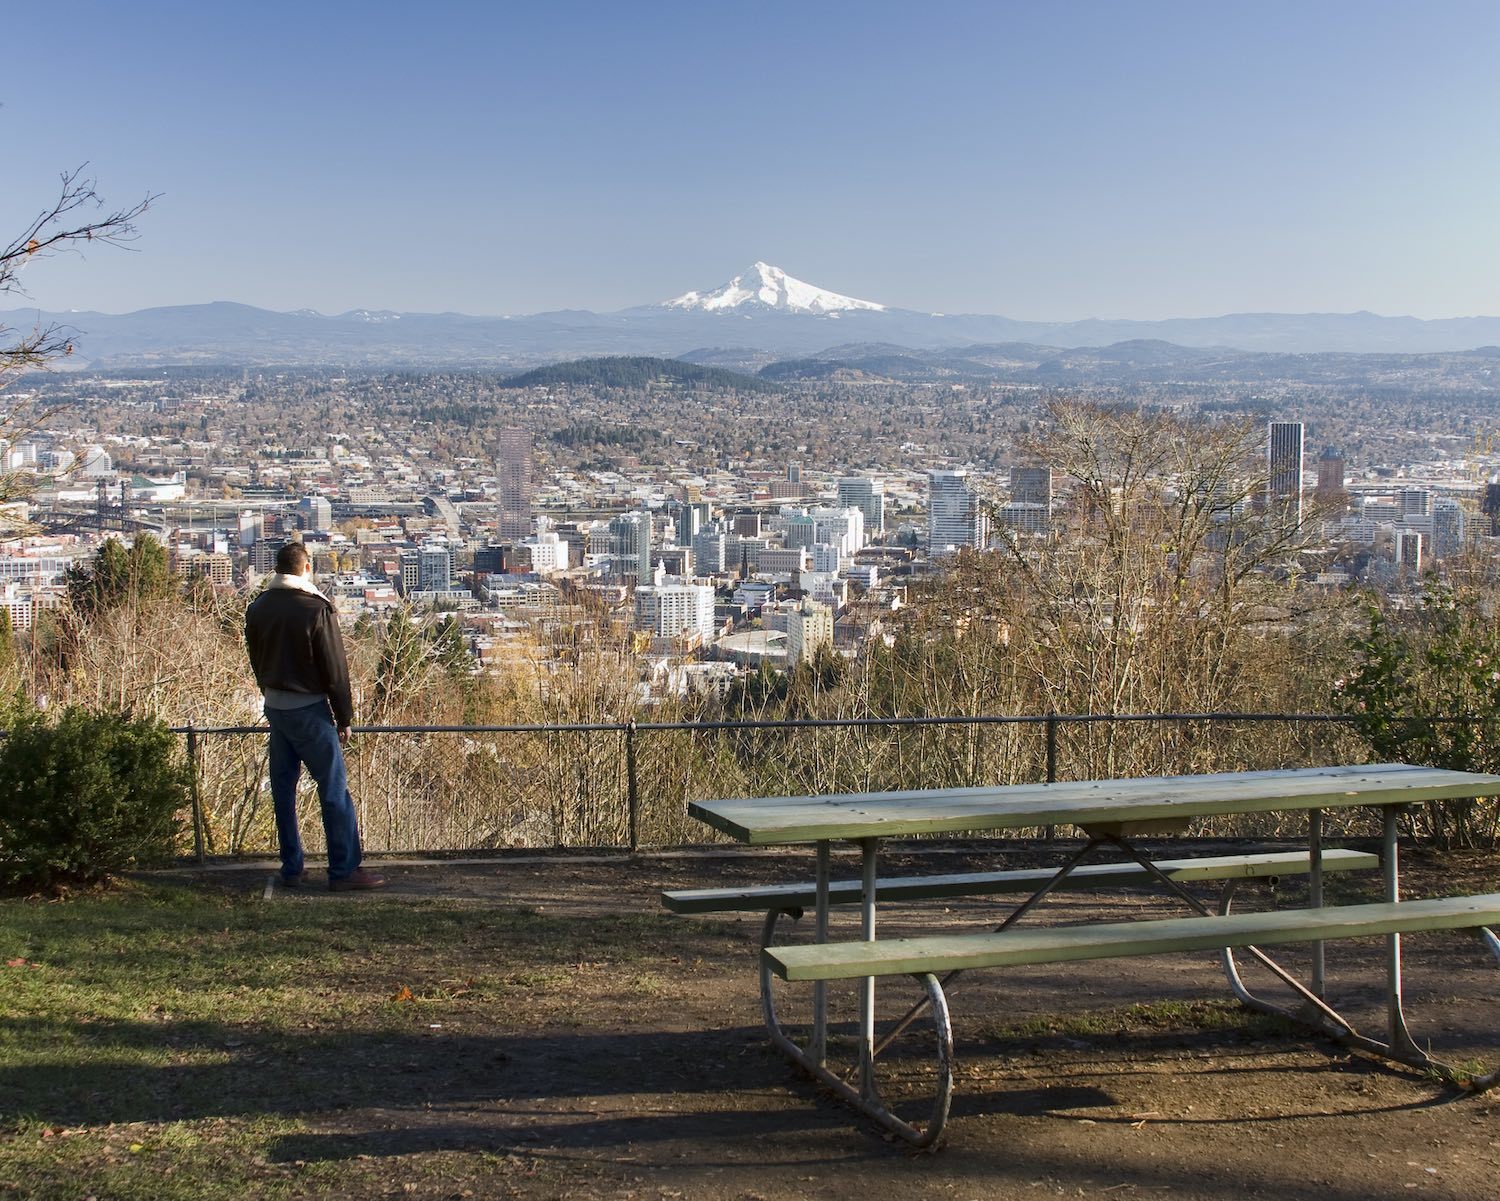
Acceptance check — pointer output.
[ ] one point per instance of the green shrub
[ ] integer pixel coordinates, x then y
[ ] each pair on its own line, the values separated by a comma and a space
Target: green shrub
86, 795
1424, 687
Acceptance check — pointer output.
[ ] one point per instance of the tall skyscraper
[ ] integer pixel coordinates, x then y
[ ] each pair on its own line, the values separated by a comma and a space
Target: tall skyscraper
687, 517
708, 550
1447, 527
868, 496
434, 568
513, 466
630, 545
1330, 473
1284, 470
954, 518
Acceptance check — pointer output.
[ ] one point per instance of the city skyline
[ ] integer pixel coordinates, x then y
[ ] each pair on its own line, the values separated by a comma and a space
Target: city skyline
1039, 162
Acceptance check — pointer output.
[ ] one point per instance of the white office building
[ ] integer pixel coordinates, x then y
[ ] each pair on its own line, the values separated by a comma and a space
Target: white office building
434, 569
546, 551
868, 496
808, 628
843, 528
954, 518
670, 607
826, 557
789, 560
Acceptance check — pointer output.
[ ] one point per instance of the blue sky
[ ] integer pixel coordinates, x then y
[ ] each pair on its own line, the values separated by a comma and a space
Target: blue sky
1048, 160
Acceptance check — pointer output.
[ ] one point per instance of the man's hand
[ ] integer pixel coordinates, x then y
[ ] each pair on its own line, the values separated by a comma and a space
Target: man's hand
343, 735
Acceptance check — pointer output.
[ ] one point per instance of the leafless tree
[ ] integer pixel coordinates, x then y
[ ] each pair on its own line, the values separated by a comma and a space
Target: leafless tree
77, 217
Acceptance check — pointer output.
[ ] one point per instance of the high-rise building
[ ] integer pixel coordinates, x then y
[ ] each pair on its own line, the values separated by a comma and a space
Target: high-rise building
808, 627
1024, 517
513, 468
868, 496
1490, 507
801, 529
673, 608
434, 569
1414, 502
315, 513
708, 550
954, 518
252, 526
1410, 545
688, 517
1447, 527
263, 553
826, 558
843, 528
411, 572
1284, 470
1330, 473
492, 560
630, 544
546, 550
1031, 486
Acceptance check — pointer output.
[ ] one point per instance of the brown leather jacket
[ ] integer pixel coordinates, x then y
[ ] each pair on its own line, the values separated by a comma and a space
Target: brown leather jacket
294, 643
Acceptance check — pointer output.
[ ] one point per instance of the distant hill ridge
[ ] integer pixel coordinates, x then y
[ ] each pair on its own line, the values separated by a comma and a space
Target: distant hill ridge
639, 372
762, 310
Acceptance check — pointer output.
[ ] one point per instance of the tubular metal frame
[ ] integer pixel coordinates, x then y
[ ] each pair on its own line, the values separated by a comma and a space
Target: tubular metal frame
1315, 1013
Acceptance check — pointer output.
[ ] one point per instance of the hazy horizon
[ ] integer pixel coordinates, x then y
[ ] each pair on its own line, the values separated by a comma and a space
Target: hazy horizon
1049, 163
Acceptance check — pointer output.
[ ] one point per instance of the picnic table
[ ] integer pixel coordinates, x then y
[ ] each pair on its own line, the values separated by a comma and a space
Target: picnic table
1113, 815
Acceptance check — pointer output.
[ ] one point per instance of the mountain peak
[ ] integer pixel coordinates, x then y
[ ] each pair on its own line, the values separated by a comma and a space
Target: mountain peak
768, 287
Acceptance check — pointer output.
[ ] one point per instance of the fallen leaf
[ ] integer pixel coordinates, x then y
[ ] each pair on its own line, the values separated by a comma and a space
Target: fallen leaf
404, 994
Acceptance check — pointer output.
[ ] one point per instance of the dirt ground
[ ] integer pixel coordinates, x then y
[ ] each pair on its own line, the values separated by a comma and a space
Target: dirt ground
1117, 1078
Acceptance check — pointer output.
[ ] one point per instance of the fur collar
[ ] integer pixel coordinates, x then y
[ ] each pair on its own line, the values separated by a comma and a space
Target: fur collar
298, 583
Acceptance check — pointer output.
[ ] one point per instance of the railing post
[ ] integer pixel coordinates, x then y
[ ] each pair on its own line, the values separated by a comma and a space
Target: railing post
1050, 832
192, 755
632, 792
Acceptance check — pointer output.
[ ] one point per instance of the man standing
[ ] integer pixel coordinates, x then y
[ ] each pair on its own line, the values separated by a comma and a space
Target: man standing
293, 638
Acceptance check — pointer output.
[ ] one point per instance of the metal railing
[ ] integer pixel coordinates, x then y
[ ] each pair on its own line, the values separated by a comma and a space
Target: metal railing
633, 733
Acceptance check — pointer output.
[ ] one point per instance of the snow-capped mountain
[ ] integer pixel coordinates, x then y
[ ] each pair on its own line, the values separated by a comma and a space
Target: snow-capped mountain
768, 287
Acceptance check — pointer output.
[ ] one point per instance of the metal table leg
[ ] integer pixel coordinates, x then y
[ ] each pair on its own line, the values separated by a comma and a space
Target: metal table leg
868, 851
819, 1049
1315, 891
1400, 1037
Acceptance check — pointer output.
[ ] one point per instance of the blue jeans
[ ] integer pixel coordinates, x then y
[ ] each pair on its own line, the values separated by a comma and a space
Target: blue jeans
308, 736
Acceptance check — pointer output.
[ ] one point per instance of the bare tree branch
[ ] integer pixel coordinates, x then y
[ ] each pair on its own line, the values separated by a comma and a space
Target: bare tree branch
69, 223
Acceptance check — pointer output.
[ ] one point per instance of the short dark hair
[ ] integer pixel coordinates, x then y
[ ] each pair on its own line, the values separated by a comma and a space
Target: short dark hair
291, 558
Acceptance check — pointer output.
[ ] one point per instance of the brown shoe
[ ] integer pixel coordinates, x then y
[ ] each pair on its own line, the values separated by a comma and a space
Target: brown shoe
357, 881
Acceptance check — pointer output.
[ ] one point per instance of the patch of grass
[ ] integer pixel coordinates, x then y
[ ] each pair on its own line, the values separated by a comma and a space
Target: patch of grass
162, 1041
125, 1162
1198, 1016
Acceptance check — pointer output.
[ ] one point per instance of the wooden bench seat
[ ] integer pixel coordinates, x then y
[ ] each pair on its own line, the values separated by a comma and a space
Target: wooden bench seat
1056, 944
791, 897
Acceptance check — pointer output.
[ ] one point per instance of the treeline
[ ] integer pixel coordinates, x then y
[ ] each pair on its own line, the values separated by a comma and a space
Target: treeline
636, 372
